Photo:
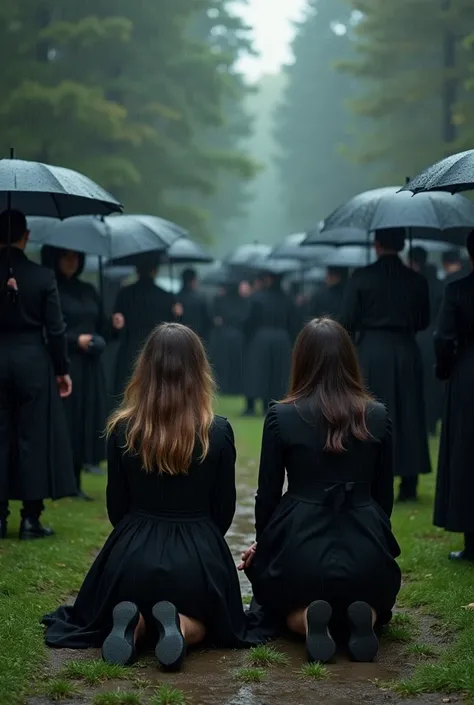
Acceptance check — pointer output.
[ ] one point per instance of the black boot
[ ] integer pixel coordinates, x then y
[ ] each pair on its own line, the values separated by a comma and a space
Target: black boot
80, 493
250, 410
31, 528
93, 470
468, 553
408, 489
3, 527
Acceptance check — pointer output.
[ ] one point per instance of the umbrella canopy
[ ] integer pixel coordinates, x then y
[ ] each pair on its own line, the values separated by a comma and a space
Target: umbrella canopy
431, 215
350, 256
433, 246
290, 248
40, 189
279, 267
245, 254
111, 237
219, 274
453, 174
185, 251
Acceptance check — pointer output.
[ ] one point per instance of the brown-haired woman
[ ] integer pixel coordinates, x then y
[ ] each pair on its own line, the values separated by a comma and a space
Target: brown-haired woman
325, 549
171, 498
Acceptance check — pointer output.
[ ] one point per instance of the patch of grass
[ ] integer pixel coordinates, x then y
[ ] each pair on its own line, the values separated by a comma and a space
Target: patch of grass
443, 677
421, 650
394, 632
316, 671
59, 689
117, 698
246, 599
166, 695
93, 672
266, 656
250, 675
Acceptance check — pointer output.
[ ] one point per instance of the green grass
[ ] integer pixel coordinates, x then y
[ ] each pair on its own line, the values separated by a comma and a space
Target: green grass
315, 671
117, 698
266, 656
59, 689
421, 651
166, 695
250, 674
94, 672
247, 599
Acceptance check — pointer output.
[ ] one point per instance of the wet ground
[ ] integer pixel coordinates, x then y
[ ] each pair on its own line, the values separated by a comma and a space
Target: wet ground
211, 677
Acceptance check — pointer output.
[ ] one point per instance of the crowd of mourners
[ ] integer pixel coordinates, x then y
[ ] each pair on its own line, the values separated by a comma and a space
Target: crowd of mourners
352, 381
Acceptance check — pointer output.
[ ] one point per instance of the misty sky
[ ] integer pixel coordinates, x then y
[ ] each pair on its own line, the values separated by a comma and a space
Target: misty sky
271, 20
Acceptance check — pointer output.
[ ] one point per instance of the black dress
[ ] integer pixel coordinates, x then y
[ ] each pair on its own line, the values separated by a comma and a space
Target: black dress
167, 544
385, 305
195, 312
329, 537
454, 345
271, 329
35, 456
227, 342
86, 408
144, 306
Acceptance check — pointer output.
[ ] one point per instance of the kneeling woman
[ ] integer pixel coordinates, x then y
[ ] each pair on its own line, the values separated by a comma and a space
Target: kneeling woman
325, 549
171, 498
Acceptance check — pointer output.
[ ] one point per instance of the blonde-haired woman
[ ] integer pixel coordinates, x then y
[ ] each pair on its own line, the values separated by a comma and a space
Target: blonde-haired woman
171, 498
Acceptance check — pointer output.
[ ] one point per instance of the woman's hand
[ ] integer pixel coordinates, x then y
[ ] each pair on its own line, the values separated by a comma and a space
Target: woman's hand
247, 557
84, 341
118, 321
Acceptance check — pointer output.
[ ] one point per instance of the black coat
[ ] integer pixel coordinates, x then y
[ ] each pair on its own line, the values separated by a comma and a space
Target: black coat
195, 313
144, 306
271, 330
454, 347
433, 390
227, 341
35, 455
327, 301
167, 544
86, 408
385, 305
329, 536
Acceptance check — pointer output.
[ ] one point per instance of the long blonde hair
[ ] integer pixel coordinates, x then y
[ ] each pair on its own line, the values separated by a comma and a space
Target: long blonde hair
167, 406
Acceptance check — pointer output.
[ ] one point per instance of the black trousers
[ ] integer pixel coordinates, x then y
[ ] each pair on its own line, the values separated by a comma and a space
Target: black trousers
32, 509
409, 487
469, 544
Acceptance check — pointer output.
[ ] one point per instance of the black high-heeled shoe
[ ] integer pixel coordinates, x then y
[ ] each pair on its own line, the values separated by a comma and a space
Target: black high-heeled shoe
119, 647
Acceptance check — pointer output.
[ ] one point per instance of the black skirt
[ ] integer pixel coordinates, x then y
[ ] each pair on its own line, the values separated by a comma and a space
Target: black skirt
226, 349
454, 500
150, 558
267, 366
321, 551
86, 409
393, 371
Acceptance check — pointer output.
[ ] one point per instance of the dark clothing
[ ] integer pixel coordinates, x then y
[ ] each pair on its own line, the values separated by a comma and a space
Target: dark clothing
144, 306
167, 544
385, 305
195, 312
454, 347
86, 408
329, 537
35, 457
433, 390
327, 301
271, 330
455, 276
227, 342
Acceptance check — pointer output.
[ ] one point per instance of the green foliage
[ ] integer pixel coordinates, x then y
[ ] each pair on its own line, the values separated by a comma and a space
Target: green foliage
250, 675
314, 671
313, 128
93, 672
266, 656
59, 689
167, 695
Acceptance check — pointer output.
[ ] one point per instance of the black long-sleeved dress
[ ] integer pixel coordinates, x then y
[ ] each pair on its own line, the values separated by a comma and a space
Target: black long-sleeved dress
454, 347
271, 330
86, 408
144, 306
167, 544
35, 456
329, 537
195, 312
385, 305
227, 342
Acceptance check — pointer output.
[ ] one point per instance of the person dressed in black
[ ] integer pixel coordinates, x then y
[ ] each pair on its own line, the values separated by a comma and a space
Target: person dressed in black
325, 550
195, 306
138, 309
385, 305
454, 267
433, 391
454, 348
35, 456
327, 300
86, 408
270, 329
227, 342
247, 288
165, 570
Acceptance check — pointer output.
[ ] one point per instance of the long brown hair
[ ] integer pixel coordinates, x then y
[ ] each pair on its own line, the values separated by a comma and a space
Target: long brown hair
326, 373
167, 405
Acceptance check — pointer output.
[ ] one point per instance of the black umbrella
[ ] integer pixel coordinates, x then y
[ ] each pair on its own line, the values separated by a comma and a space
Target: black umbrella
453, 174
246, 254
350, 256
219, 274
185, 251
290, 248
278, 267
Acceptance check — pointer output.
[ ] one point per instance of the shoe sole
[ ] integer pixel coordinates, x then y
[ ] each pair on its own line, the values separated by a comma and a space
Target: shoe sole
119, 647
363, 642
171, 647
319, 644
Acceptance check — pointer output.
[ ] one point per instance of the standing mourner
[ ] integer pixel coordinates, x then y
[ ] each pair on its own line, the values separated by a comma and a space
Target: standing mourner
453, 266
385, 305
86, 408
454, 347
230, 311
433, 390
35, 457
271, 326
327, 301
138, 309
195, 306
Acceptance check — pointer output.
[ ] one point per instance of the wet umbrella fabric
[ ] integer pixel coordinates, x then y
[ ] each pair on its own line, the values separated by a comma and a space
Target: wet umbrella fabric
246, 254
291, 248
453, 174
